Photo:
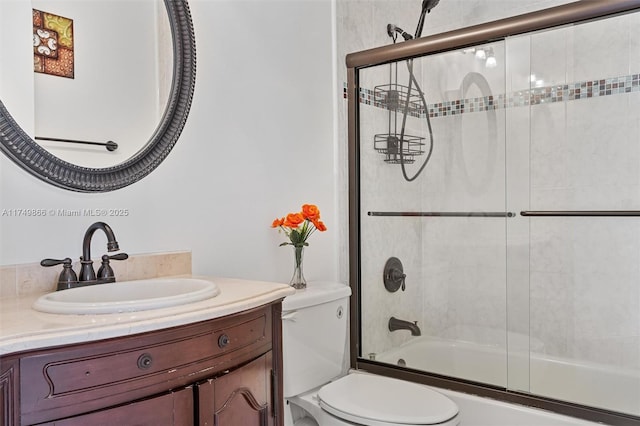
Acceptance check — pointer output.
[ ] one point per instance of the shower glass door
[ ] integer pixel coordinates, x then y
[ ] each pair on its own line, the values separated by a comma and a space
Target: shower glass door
432, 185
499, 214
574, 170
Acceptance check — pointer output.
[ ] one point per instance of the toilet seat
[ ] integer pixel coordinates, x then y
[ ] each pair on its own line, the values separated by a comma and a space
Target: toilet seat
373, 400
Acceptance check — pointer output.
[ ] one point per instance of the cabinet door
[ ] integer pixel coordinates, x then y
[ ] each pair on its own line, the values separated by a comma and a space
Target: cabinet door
8, 391
241, 397
171, 409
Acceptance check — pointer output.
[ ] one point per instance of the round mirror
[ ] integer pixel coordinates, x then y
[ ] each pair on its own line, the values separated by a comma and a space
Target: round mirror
145, 122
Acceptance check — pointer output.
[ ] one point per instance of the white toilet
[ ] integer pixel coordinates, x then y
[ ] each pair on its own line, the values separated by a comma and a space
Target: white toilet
316, 389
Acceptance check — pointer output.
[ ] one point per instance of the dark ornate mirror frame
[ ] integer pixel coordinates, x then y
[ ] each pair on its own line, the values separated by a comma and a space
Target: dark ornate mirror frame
29, 155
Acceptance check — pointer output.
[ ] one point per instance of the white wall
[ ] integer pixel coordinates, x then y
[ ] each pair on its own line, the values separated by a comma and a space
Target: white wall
116, 79
258, 144
16, 86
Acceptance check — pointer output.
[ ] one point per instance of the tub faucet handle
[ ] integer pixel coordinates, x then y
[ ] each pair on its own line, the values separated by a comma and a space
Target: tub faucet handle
393, 275
397, 275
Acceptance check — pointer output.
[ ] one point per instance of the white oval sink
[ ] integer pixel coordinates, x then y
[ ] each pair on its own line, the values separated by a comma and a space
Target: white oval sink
127, 296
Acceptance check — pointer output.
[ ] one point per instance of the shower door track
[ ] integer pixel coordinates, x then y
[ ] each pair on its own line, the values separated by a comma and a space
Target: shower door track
570, 13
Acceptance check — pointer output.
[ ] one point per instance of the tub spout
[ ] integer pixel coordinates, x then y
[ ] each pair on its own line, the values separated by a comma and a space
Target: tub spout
398, 324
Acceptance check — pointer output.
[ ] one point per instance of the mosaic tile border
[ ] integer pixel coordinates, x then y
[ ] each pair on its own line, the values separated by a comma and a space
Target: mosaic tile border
534, 96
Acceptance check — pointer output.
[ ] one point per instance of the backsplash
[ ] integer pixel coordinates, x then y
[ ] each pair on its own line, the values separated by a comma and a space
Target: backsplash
31, 278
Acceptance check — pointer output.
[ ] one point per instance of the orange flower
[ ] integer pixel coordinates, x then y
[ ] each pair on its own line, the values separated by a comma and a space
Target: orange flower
311, 212
320, 226
293, 220
298, 227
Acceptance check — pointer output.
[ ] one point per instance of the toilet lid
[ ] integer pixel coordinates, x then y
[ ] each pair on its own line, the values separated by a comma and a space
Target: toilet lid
373, 400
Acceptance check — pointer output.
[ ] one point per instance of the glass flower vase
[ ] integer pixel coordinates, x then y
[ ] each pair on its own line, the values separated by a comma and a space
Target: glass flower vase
297, 280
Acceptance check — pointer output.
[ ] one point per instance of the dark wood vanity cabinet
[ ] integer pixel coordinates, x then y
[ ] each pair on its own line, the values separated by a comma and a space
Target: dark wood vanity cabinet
222, 372
8, 391
238, 398
173, 408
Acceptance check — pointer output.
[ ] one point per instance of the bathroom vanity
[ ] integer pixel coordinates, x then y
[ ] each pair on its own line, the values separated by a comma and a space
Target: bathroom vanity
214, 362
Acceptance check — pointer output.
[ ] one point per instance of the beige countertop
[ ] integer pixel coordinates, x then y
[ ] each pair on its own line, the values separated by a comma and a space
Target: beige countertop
22, 328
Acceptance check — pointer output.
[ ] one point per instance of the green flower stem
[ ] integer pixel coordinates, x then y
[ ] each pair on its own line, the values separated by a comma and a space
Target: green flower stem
297, 280
298, 255
298, 236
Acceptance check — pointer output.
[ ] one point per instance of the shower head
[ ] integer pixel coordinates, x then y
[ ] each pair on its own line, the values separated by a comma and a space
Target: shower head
429, 4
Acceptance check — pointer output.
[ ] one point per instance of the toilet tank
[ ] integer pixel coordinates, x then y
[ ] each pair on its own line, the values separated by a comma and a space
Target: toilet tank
314, 336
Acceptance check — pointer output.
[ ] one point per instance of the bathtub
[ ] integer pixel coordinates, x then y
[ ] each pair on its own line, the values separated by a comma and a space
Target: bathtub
585, 383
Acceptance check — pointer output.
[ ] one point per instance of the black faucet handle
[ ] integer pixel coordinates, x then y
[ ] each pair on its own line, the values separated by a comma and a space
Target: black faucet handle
119, 256
399, 275
105, 272
67, 277
54, 262
393, 275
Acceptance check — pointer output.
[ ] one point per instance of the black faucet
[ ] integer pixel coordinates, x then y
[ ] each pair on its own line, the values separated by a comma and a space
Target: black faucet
398, 324
87, 272
68, 278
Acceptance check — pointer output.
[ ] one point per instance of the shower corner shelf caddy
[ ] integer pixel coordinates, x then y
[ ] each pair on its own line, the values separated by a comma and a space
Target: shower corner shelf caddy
393, 97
